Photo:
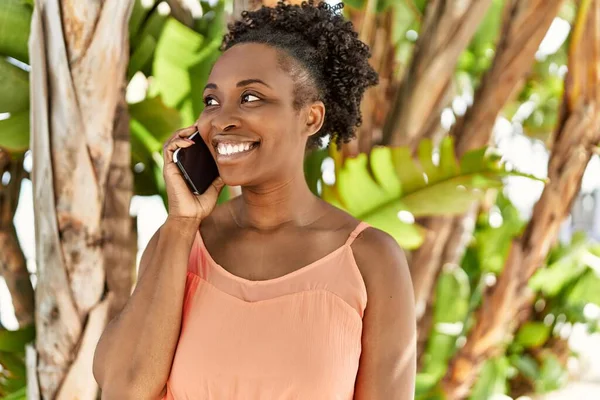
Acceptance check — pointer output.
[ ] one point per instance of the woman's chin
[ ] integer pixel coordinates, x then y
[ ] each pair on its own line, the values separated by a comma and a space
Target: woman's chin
234, 180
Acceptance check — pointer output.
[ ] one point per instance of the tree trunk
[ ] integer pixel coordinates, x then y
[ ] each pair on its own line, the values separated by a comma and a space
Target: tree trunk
447, 29
13, 267
120, 245
79, 53
525, 23
575, 138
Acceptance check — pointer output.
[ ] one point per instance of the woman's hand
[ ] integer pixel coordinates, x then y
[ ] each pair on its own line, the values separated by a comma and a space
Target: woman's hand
182, 202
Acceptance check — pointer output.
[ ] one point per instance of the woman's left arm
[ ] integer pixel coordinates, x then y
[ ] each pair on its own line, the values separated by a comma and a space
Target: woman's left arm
387, 368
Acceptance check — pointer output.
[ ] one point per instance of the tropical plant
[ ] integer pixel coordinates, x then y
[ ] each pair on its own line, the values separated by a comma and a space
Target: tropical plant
388, 188
434, 194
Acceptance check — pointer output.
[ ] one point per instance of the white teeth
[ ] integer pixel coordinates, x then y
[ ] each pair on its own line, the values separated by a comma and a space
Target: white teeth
228, 149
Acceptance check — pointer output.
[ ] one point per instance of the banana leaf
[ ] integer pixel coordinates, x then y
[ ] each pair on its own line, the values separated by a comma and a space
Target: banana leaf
16, 340
14, 132
141, 56
14, 86
15, 24
388, 184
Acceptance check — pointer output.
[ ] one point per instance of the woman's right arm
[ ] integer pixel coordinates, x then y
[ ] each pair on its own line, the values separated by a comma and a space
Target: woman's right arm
134, 355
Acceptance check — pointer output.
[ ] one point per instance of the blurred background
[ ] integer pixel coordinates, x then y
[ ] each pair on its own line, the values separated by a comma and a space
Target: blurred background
478, 152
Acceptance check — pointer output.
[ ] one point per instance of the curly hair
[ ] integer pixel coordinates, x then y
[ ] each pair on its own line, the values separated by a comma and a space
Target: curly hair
331, 63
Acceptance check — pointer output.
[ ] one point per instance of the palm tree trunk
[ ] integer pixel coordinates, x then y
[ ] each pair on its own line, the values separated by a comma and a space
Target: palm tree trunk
13, 267
575, 138
120, 245
447, 29
525, 23
79, 53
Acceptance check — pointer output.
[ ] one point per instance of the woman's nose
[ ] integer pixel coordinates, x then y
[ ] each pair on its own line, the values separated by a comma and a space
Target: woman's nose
226, 120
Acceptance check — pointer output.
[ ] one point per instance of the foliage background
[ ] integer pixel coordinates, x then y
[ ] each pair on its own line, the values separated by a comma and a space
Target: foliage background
168, 58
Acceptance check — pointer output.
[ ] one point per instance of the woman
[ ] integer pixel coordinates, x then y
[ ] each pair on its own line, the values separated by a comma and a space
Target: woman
275, 294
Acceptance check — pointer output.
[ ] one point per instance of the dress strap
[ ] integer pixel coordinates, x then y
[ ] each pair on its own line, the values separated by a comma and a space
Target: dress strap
359, 228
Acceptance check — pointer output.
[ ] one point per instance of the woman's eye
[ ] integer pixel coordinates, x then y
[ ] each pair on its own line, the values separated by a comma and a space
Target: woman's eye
210, 101
249, 98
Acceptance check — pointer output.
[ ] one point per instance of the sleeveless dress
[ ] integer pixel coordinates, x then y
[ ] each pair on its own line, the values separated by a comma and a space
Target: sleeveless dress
297, 336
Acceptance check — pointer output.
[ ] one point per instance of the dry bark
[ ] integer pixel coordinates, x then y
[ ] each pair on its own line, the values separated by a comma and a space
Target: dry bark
447, 29
13, 267
575, 138
120, 243
79, 53
524, 26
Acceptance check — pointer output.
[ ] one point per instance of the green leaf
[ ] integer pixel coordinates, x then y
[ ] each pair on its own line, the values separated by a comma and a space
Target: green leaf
489, 28
177, 50
13, 362
378, 188
153, 25
424, 383
20, 394
526, 366
440, 348
198, 76
141, 56
14, 132
16, 340
533, 334
492, 379
567, 264
452, 296
158, 119
585, 290
15, 25
14, 86
553, 375
138, 15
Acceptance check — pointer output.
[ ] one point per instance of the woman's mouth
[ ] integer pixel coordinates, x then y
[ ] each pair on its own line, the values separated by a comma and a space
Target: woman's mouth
233, 150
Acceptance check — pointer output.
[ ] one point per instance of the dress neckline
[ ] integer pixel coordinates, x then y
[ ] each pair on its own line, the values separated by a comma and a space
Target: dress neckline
304, 269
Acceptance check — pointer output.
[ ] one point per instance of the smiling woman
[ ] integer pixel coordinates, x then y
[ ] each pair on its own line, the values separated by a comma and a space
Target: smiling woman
274, 294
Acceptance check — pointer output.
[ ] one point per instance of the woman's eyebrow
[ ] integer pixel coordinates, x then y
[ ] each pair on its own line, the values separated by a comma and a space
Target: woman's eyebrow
250, 81
245, 82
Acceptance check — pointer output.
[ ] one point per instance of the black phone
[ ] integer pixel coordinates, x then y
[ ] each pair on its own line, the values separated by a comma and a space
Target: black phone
197, 164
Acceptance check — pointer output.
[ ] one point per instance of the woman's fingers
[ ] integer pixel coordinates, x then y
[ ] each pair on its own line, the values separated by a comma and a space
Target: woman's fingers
184, 132
208, 199
172, 145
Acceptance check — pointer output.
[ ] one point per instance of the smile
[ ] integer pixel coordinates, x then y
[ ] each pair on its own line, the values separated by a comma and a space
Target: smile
227, 149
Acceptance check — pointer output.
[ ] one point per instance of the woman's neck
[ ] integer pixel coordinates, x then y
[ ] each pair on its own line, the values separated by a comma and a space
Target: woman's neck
268, 207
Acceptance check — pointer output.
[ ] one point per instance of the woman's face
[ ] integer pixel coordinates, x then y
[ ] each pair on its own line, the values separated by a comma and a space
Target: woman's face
249, 121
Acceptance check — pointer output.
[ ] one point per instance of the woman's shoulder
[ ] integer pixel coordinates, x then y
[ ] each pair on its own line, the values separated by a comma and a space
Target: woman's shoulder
378, 257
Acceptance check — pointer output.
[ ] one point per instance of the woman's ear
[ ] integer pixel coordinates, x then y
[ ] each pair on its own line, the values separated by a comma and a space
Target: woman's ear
315, 117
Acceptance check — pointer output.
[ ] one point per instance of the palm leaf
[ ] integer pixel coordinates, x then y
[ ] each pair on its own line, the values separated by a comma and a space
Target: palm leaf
389, 185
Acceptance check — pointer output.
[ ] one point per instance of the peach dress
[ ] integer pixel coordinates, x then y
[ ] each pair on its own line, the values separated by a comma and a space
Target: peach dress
297, 336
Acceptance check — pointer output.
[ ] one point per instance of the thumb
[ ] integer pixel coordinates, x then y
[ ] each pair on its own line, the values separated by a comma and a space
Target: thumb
215, 188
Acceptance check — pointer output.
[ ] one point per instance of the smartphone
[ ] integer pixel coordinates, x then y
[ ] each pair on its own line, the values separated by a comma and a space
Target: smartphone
197, 164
